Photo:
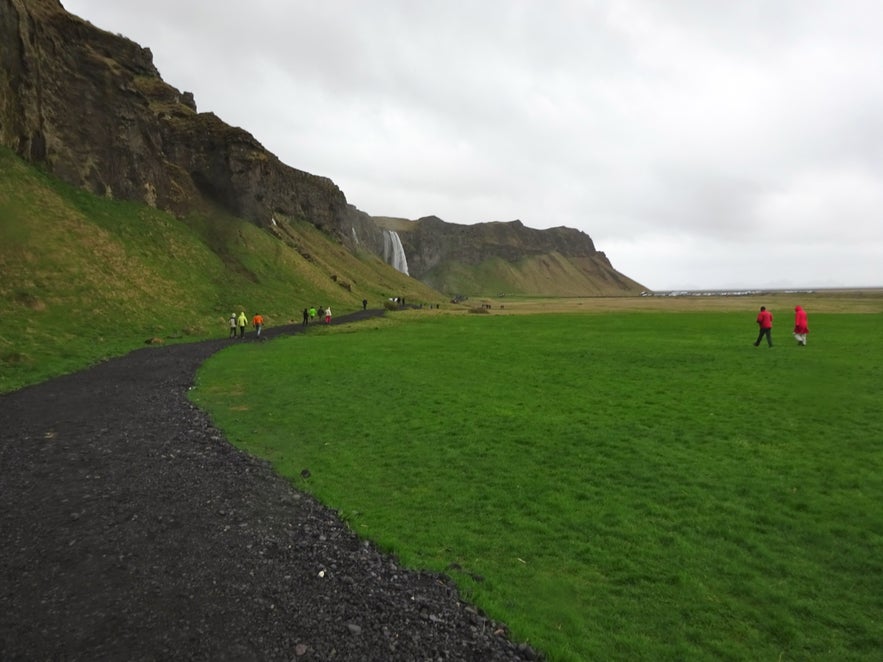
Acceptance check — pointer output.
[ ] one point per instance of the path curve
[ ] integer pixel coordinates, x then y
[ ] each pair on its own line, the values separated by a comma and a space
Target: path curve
131, 529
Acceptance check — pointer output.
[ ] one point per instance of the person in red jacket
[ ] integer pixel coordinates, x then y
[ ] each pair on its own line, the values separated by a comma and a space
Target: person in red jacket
258, 323
800, 327
765, 322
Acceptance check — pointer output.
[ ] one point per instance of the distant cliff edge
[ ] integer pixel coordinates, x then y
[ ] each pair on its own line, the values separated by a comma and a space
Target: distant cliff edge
487, 258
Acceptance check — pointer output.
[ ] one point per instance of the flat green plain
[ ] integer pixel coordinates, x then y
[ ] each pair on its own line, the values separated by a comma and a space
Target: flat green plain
614, 485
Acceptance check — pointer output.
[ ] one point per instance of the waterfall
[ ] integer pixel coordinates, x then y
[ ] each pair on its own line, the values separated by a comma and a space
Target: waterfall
393, 252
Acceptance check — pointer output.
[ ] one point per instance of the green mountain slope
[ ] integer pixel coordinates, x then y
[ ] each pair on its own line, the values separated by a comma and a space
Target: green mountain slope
83, 278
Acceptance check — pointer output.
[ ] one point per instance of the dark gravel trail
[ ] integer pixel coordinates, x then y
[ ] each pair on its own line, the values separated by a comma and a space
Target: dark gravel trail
130, 529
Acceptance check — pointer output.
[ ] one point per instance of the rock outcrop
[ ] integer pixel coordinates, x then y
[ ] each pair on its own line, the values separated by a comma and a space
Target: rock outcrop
91, 108
458, 258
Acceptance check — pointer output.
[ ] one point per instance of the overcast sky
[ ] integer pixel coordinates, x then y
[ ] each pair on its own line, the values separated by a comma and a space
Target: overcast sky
700, 143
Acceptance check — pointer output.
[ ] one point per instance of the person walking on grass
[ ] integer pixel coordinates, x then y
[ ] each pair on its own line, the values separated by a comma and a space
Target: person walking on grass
364, 304
800, 327
765, 322
306, 319
233, 325
242, 320
258, 323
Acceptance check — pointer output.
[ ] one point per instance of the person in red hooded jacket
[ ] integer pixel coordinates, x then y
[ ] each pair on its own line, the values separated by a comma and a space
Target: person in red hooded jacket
800, 327
765, 322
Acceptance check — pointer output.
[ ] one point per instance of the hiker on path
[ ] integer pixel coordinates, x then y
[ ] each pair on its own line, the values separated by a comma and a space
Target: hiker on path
328, 315
312, 312
306, 317
765, 322
364, 304
242, 320
800, 327
258, 323
233, 325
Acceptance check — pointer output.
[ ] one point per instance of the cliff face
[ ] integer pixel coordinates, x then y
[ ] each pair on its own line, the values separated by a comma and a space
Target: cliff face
558, 261
432, 241
91, 108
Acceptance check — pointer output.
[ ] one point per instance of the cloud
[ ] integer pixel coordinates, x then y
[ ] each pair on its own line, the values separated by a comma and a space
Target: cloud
699, 144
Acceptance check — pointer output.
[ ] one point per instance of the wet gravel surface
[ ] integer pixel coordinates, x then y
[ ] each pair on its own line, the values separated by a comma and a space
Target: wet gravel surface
130, 529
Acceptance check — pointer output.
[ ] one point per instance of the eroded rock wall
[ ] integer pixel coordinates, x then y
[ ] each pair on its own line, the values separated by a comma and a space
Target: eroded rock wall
91, 108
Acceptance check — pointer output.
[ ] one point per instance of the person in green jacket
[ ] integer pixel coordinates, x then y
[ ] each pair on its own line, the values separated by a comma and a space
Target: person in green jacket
243, 322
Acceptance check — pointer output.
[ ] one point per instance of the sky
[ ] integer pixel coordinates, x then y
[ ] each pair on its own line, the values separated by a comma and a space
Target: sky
701, 144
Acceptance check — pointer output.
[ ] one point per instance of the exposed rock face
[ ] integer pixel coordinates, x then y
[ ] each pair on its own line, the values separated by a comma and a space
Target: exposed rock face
91, 108
433, 241
432, 246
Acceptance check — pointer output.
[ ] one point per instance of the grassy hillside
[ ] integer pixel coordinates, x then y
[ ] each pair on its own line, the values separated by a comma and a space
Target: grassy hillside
83, 278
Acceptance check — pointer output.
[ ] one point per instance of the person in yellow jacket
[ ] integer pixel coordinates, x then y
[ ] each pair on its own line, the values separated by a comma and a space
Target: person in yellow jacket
242, 320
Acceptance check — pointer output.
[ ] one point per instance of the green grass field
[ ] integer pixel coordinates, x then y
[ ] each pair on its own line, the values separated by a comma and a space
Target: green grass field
612, 486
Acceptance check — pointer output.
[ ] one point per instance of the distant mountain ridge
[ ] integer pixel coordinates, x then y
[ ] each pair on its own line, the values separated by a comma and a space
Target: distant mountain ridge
510, 257
92, 109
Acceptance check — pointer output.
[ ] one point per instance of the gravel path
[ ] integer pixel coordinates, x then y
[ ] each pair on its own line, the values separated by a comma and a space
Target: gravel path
130, 529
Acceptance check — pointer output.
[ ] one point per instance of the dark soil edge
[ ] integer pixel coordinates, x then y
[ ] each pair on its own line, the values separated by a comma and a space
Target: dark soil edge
131, 529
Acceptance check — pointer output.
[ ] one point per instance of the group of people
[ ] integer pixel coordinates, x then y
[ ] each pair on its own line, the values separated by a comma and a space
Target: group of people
240, 321
765, 324
310, 314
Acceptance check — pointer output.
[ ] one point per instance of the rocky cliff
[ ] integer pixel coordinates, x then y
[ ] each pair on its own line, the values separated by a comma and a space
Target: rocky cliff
467, 259
91, 108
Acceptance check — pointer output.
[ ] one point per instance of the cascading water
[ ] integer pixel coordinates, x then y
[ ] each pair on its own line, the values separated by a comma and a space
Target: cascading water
393, 252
